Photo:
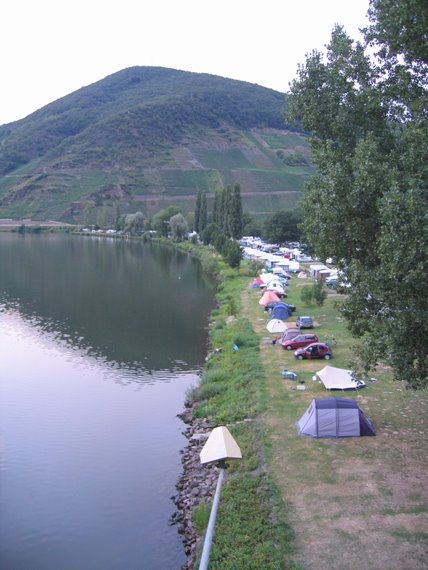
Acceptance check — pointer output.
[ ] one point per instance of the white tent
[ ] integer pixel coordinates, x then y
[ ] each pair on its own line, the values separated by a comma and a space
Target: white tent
268, 277
275, 286
339, 379
276, 326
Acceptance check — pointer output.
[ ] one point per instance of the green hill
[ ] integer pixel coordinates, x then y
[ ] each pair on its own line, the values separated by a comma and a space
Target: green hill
147, 137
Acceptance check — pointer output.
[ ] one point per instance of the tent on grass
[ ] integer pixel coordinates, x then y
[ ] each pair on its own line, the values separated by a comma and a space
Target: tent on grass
339, 379
276, 326
267, 278
281, 311
334, 417
275, 286
269, 297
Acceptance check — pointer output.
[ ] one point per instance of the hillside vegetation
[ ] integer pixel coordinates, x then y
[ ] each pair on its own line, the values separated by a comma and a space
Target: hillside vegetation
147, 137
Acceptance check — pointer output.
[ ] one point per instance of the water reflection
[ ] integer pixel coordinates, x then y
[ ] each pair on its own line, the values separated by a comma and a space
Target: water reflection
89, 396
126, 301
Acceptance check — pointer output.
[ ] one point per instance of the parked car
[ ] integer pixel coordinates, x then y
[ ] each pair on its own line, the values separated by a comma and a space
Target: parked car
280, 294
289, 334
305, 322
299, 341
331, 281
314, 350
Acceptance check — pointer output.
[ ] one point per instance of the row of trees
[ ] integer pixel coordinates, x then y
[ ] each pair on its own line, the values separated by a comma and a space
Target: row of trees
225, 225
365, 105
227, 212
226, 215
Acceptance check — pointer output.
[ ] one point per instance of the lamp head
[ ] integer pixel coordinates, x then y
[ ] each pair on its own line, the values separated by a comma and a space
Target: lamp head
220, 446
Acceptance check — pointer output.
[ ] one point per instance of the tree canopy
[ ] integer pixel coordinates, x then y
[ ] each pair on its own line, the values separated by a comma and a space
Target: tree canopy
134, 223
161, 220
201, 212
227, 212
178, 227
367, 206
283, 226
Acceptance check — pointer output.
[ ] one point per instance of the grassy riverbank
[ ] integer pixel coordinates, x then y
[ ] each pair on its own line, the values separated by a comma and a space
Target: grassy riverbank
295, 503
251, 530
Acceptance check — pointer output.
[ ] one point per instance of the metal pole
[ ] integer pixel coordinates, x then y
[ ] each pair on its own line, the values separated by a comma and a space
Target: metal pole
211, 523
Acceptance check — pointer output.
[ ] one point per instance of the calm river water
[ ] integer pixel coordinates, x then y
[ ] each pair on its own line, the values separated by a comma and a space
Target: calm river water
100, 340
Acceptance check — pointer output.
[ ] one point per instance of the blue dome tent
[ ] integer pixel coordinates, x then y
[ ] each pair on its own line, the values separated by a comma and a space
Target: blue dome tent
281, 311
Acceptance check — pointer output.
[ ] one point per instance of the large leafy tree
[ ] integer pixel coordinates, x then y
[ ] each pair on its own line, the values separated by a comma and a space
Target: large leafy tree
161, 220
134, 223
367, 206
250, 225
283, 226
233, 253
178, 227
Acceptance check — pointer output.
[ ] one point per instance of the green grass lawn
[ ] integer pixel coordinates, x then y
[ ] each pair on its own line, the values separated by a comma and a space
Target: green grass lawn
351, 501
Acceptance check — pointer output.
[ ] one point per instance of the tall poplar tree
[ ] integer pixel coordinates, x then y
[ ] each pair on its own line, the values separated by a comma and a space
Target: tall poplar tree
227, 217
236, 220
216, 216
366, 207
223, 213
198, 212
203, 212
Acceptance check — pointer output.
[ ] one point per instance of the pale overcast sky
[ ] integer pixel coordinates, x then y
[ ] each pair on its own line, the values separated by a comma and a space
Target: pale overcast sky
50, 48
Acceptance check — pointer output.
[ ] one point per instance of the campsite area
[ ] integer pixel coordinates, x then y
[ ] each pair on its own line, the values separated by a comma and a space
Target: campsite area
358, 502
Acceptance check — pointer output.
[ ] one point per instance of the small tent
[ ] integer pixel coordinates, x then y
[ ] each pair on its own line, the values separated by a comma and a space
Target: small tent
275, 286
280, 311
339, 379
268, 297
334, 417
276, 326
267, 278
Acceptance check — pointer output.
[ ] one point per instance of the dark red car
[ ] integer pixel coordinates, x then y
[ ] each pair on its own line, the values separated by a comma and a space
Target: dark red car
314, 350
279, 294
288, 334
299, 341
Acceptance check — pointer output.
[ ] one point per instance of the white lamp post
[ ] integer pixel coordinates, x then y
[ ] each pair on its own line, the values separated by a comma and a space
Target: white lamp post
219, 446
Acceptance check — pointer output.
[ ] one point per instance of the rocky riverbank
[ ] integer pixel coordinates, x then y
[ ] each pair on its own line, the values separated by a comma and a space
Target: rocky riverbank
197, 483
